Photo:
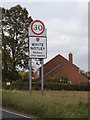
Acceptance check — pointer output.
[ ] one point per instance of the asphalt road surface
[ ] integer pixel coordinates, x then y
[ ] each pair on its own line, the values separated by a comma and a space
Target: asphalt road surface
6, 115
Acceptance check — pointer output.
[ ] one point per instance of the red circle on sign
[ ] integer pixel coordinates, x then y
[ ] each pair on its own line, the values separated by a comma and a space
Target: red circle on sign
34, 31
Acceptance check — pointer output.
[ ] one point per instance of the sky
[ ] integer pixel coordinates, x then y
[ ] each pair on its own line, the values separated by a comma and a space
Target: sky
67, 27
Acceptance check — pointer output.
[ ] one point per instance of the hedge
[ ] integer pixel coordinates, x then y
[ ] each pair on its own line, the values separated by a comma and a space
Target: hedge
19, 85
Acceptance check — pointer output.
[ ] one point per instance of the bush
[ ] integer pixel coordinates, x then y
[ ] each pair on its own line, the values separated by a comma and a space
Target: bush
52, 79
20, 85
24, 76
59, 86
36, 85
60, 79
4, 86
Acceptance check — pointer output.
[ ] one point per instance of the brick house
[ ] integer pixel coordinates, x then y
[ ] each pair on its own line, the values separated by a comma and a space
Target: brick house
60, 65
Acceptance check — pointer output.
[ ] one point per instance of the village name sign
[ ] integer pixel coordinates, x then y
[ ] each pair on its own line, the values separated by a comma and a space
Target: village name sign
37, 40
37, 47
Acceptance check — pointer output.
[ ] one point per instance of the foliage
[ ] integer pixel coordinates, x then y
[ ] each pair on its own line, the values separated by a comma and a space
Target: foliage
82, 72
60, 79
88, 74
15, 22
64, 79
36, 85
24, 76
52, 79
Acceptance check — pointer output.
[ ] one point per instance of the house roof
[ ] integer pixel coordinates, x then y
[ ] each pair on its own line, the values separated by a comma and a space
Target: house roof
59, 65
60, 60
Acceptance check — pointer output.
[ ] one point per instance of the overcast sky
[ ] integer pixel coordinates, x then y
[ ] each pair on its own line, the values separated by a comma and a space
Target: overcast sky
67, 28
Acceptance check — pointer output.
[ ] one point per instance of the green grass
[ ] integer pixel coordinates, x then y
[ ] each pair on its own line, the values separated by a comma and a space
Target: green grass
54, 104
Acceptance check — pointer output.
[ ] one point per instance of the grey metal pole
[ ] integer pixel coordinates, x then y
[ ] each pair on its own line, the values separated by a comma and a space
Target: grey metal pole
42, 76
30, 76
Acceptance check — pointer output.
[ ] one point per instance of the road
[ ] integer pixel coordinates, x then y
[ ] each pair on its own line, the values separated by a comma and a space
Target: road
6, 115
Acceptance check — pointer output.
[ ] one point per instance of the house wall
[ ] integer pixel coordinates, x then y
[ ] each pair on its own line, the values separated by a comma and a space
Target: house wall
66, 68
72, 74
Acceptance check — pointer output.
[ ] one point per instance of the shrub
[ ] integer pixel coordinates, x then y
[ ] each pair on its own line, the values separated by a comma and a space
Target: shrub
24, 76
59, 86
52, 79
60, 79
36, 85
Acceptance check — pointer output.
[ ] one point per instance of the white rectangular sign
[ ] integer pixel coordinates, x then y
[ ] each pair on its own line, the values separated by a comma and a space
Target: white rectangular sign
37, 47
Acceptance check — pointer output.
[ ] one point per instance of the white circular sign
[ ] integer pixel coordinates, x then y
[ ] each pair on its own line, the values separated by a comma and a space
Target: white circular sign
37, 27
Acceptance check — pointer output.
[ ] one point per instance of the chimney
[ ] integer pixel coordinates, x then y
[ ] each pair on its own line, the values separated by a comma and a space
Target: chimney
71, 58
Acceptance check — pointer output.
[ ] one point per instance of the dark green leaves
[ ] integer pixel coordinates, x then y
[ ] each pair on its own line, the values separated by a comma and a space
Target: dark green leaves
14, 40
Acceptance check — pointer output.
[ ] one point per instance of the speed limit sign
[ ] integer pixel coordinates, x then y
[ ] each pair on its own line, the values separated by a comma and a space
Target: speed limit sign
37, 27
37, 40
37, 47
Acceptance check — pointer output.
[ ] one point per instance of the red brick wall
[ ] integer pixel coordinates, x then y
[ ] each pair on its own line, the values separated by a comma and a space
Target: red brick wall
66, 68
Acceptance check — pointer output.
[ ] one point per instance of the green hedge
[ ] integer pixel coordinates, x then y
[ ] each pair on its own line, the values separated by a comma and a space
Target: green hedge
56, 86
20, 85
55, 78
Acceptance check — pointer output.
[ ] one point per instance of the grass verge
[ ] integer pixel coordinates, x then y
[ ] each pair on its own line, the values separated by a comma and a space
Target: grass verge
54, 104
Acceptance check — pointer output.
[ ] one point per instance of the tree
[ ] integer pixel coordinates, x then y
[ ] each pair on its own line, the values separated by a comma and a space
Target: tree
14, 41
82, 72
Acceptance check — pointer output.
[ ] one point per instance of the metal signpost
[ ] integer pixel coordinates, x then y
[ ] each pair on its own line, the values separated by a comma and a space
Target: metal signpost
37, 48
